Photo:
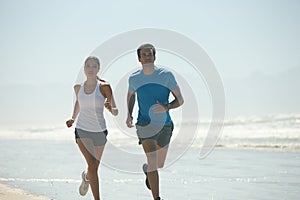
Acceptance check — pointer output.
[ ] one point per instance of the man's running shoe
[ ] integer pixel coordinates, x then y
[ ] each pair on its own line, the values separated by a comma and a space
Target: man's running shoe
145, 168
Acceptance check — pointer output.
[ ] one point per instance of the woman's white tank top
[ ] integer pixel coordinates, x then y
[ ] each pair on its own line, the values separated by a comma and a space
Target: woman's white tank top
91, 117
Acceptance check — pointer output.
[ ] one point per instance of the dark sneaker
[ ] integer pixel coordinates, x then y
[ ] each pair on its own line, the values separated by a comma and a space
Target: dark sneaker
158, 198
145, 167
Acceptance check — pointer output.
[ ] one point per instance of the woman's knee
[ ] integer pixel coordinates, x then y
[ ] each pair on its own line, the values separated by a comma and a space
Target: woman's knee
93, 165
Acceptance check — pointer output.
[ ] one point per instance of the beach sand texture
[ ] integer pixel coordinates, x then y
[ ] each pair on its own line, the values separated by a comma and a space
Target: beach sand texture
10, 193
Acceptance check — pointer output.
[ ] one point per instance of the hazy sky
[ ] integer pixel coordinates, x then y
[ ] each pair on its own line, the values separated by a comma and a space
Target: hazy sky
255, 46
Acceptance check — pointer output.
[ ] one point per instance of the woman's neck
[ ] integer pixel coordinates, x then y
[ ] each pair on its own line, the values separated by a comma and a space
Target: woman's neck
91, 81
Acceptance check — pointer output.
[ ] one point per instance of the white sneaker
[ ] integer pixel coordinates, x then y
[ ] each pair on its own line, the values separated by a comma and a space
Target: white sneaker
84, 186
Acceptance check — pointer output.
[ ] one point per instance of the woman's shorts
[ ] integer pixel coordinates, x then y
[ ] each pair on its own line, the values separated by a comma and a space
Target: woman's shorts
98, 138
162, 134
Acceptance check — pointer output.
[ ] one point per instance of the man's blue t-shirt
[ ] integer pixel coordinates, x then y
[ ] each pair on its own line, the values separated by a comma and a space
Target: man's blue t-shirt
150, 89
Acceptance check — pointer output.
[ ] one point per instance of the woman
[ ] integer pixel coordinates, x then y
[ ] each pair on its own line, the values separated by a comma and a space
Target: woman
90, 132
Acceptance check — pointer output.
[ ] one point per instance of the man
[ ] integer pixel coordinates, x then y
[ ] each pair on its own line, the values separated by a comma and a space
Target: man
154, 126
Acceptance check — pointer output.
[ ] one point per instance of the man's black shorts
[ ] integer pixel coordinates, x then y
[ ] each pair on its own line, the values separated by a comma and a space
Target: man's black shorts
162, 134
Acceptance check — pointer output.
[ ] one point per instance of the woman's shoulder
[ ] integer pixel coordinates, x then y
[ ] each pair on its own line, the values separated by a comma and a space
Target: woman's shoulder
103, 82
77, 86
104, 85
105, 88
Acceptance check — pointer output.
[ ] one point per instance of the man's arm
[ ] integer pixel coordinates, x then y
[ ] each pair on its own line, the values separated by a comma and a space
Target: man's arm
178, 101
130, 105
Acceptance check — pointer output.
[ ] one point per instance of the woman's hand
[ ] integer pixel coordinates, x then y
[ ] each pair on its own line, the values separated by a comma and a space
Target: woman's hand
114, 110
70, 122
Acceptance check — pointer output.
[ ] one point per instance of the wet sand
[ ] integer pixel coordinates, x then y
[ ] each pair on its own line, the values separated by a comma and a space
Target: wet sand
10, 193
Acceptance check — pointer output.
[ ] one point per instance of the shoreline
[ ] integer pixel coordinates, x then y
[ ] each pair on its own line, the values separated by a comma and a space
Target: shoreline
223, 174
12, 193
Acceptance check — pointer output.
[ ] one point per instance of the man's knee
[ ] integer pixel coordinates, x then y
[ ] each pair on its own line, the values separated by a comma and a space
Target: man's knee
161, 165
152, 162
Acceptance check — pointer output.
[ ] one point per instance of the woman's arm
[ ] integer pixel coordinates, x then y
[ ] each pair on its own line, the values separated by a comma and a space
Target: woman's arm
110, 103
76, 108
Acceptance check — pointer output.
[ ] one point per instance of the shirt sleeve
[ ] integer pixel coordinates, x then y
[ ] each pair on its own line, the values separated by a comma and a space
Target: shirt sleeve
172, 84
131, 85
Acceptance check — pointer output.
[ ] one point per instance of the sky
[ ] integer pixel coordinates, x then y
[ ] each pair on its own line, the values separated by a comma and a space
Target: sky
255, 46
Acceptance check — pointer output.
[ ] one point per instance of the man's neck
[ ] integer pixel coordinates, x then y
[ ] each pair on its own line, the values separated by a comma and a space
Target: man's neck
148, 68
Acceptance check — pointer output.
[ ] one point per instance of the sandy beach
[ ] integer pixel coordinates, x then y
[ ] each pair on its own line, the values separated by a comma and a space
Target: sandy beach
53, 169
10, 193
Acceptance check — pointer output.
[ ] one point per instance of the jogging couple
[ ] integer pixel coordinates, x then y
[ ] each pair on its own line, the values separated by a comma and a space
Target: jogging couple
152, 86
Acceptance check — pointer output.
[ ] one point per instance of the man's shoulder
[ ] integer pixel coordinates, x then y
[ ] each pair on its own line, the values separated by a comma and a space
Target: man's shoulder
163, 71
136, 73
135, 77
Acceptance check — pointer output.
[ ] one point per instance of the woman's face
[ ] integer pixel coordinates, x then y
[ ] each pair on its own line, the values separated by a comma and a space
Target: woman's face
91, 68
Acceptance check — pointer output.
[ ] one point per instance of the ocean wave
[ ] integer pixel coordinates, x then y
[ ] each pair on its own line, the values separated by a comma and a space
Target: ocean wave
282, 147
280, 131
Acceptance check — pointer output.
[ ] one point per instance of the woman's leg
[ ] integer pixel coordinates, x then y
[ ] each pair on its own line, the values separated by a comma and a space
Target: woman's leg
92, 155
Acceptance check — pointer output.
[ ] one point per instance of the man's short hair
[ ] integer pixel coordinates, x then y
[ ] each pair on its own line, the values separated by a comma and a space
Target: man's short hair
146, 46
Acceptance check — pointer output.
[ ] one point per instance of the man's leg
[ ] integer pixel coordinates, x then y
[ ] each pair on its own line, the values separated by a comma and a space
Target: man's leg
162, 145
149, 146
161, 155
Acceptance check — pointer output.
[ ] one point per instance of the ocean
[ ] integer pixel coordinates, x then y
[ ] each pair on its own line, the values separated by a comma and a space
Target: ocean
255, 157
270, 132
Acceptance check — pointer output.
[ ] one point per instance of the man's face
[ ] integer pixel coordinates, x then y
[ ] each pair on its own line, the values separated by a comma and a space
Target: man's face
146, 56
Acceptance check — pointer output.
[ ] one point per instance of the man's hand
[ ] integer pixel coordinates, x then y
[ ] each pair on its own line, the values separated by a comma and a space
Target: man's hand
129, 122
159, 108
